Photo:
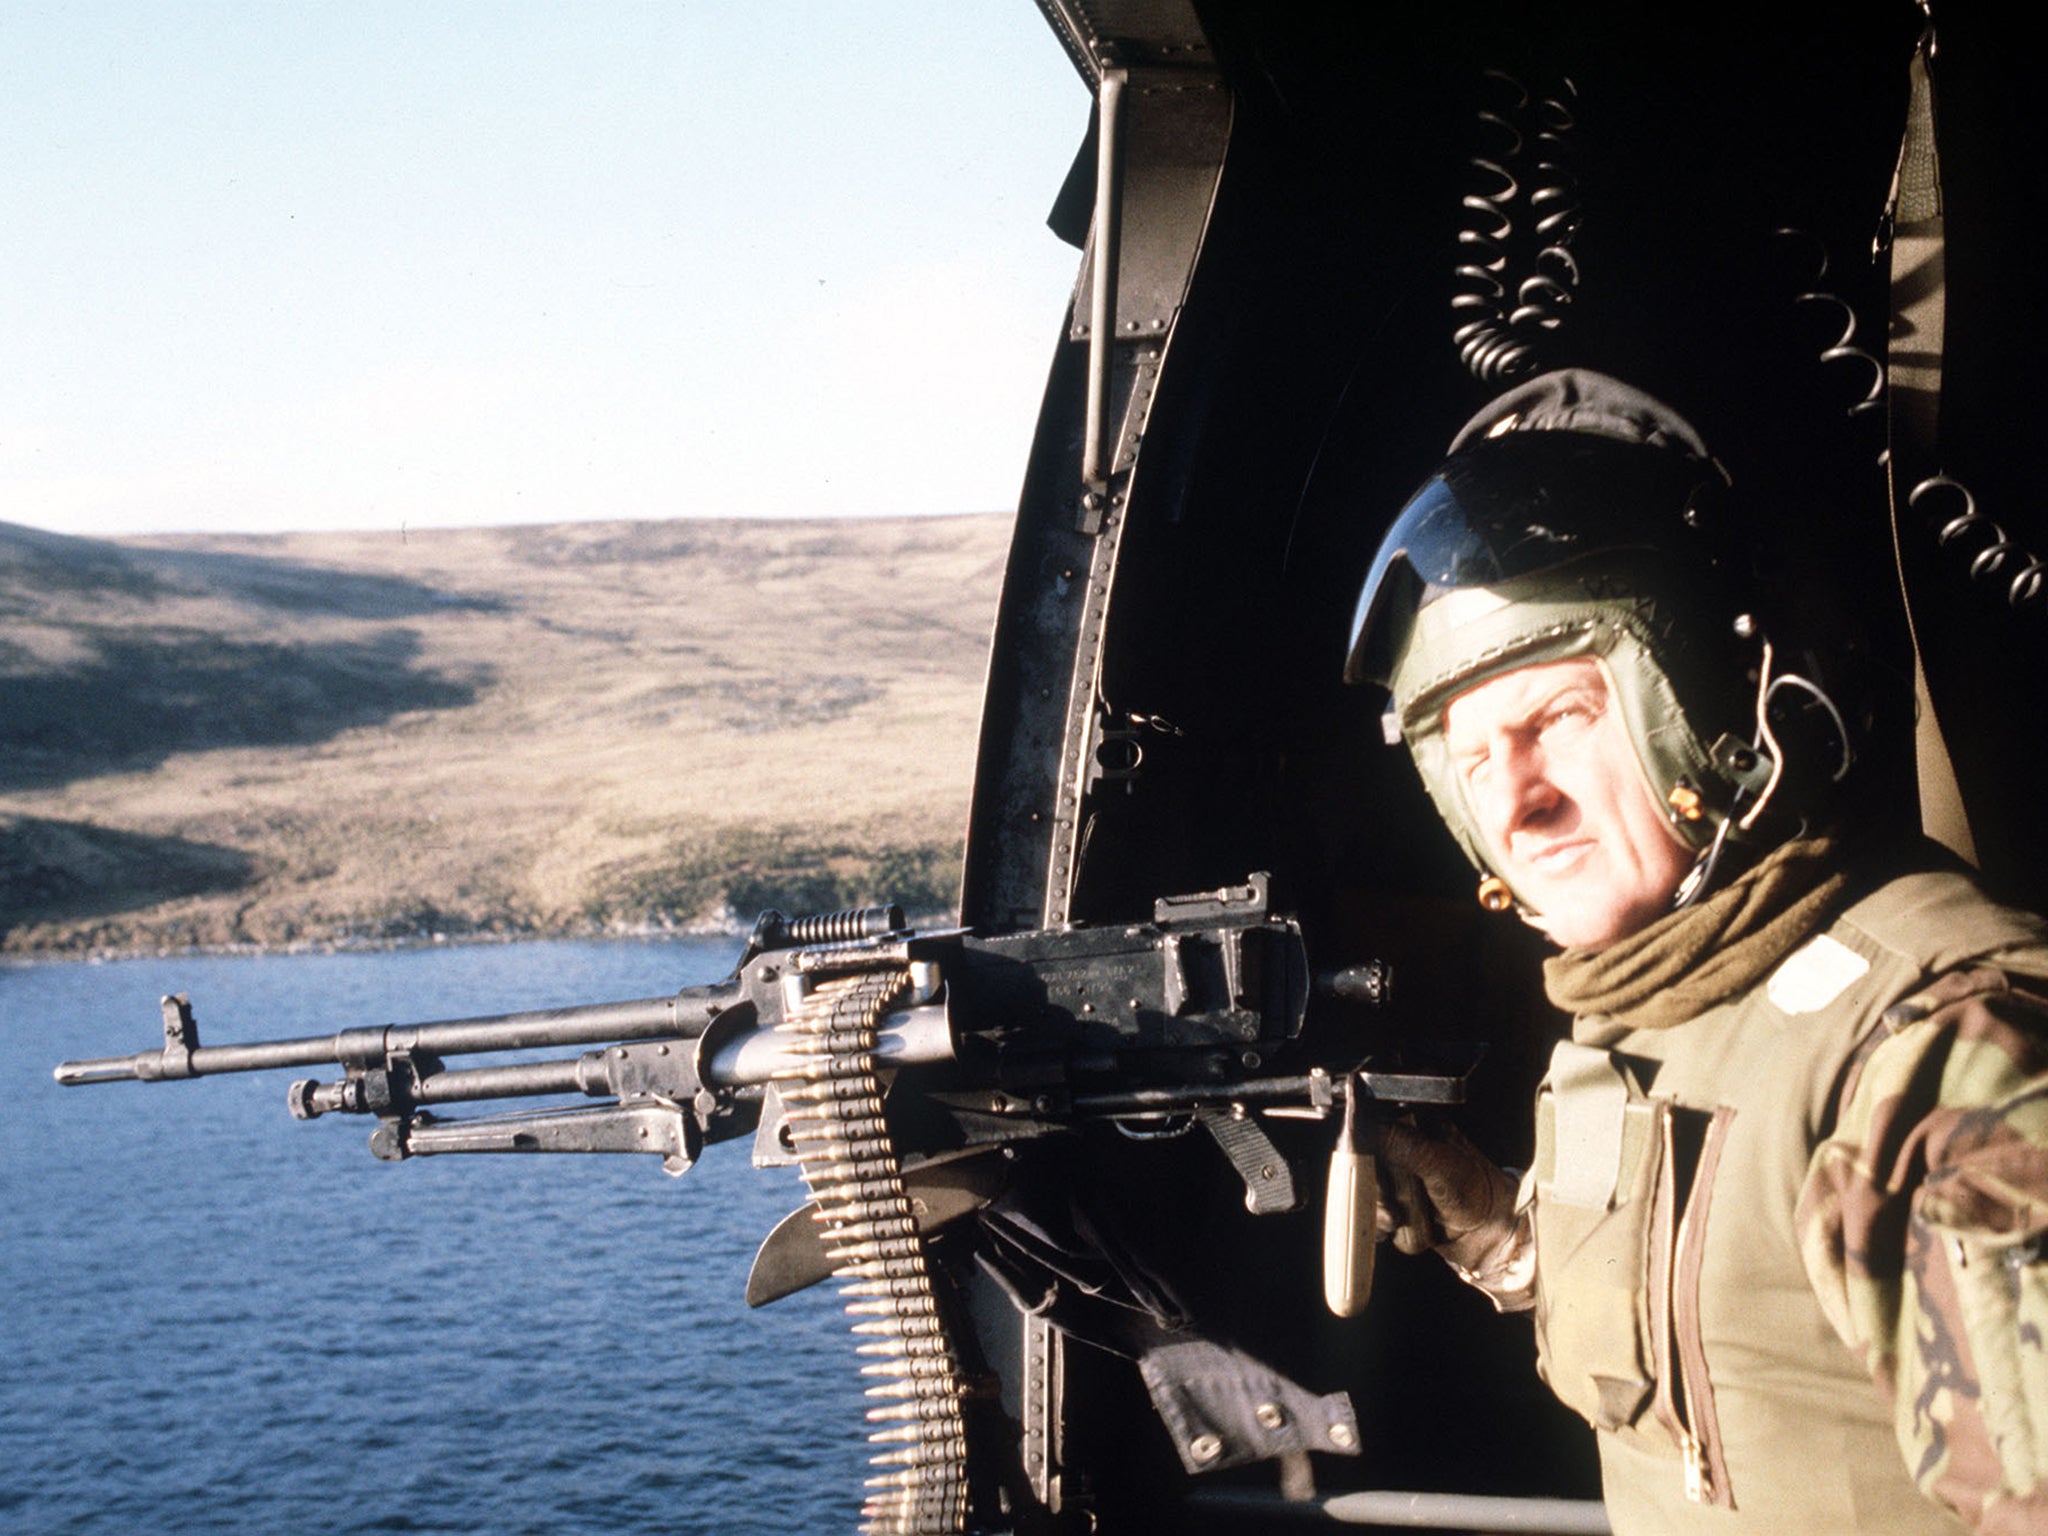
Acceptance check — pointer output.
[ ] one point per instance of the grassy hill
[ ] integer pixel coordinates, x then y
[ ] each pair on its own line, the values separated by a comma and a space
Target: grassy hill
309, 738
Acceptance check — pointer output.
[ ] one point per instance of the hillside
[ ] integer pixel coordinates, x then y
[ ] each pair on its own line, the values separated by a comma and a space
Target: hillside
310, 738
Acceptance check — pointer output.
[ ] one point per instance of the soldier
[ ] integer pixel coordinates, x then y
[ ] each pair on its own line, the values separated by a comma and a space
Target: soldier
1797, 1141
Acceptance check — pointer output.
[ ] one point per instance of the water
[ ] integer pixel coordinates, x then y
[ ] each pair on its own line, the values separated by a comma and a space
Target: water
219, 1319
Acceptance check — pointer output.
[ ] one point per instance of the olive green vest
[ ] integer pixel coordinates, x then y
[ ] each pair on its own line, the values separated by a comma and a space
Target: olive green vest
1673, 1310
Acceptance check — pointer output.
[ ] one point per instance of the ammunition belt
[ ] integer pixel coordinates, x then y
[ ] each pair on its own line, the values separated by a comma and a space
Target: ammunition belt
843, 1147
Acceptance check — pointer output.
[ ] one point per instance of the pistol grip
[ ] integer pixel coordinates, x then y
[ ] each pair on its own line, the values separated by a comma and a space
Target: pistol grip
1350, 1215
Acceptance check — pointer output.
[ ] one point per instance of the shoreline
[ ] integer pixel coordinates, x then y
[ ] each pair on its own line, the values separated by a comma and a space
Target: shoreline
361, 944
339, 944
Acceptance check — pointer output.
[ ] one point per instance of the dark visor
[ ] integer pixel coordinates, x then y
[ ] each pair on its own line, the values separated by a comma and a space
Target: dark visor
1516, 505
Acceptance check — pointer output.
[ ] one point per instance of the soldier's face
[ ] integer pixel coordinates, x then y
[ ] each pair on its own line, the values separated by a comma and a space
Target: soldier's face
1544, 760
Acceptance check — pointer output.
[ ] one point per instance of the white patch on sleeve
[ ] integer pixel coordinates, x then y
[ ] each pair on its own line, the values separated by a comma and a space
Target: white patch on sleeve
1814, 975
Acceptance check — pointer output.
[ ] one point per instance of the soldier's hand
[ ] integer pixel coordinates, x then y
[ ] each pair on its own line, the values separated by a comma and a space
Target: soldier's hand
1438, 1191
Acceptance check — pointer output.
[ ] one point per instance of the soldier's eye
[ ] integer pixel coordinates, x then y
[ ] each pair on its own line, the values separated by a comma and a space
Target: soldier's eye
1570, 712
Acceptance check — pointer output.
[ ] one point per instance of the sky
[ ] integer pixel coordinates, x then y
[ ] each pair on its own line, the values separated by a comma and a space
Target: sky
271, 265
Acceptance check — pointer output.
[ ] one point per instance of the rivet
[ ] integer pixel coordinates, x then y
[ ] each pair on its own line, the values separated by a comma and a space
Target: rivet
1343, 1436
1205, 1447
1271, 1415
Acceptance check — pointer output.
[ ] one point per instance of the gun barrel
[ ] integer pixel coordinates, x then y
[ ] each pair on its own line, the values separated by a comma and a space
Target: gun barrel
686, 1013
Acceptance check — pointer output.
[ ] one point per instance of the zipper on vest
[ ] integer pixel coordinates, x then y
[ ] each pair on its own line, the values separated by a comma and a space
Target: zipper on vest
1697, 1486
1699, 1438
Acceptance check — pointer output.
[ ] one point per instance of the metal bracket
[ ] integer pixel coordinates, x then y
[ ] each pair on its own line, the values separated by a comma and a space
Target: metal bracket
1160, 136
773, 1147
1162, 157
657, 1125
1225, 903
1043, 1392
663, 1069
1115, 755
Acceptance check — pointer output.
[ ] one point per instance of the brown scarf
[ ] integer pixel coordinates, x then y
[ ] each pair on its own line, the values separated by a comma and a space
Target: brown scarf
1689, 960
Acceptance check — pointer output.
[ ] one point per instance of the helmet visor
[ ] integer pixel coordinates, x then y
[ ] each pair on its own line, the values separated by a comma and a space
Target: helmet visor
1517, 505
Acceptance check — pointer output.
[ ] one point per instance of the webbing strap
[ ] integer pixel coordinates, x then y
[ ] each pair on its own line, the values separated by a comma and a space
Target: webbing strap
1589, 1105
1913, 366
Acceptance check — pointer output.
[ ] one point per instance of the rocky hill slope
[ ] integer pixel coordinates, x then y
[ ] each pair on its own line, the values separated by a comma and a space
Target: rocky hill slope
312, 738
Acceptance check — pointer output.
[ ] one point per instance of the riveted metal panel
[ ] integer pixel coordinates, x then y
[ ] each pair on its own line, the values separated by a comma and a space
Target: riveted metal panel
1105, 33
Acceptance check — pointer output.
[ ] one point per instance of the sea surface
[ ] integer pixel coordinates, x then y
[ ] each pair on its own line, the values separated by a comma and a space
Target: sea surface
215, 1318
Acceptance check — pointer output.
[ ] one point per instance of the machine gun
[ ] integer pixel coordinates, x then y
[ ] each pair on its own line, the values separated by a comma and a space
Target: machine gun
1192, 1021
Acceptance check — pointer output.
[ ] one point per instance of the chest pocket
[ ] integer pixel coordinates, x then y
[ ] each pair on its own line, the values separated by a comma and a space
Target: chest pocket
1622, 1183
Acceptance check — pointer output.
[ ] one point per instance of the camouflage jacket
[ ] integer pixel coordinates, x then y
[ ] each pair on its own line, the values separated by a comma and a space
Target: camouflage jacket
1852, 1151
1923, 1223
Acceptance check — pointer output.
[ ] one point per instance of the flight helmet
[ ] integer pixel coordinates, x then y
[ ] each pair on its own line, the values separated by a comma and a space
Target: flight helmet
1577, 516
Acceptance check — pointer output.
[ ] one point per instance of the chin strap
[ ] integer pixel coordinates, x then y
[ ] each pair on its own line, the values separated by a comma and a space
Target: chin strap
1701, 875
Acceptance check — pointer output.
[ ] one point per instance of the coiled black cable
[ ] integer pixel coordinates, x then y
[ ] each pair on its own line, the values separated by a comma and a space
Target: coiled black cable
1516, 275
1994, 559
1990, 555
1855, 373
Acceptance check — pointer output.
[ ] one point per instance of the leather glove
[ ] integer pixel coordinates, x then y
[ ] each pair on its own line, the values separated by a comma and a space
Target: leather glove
1438, 1191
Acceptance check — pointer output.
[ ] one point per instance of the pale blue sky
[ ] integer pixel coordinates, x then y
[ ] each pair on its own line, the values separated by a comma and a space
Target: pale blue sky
288, 265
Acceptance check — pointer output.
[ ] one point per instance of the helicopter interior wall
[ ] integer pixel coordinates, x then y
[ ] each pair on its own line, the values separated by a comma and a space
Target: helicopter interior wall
1309, 385
1307, 388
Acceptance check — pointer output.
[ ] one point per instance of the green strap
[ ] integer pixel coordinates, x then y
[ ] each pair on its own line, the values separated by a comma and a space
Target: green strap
1913, 366
1589, 1104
